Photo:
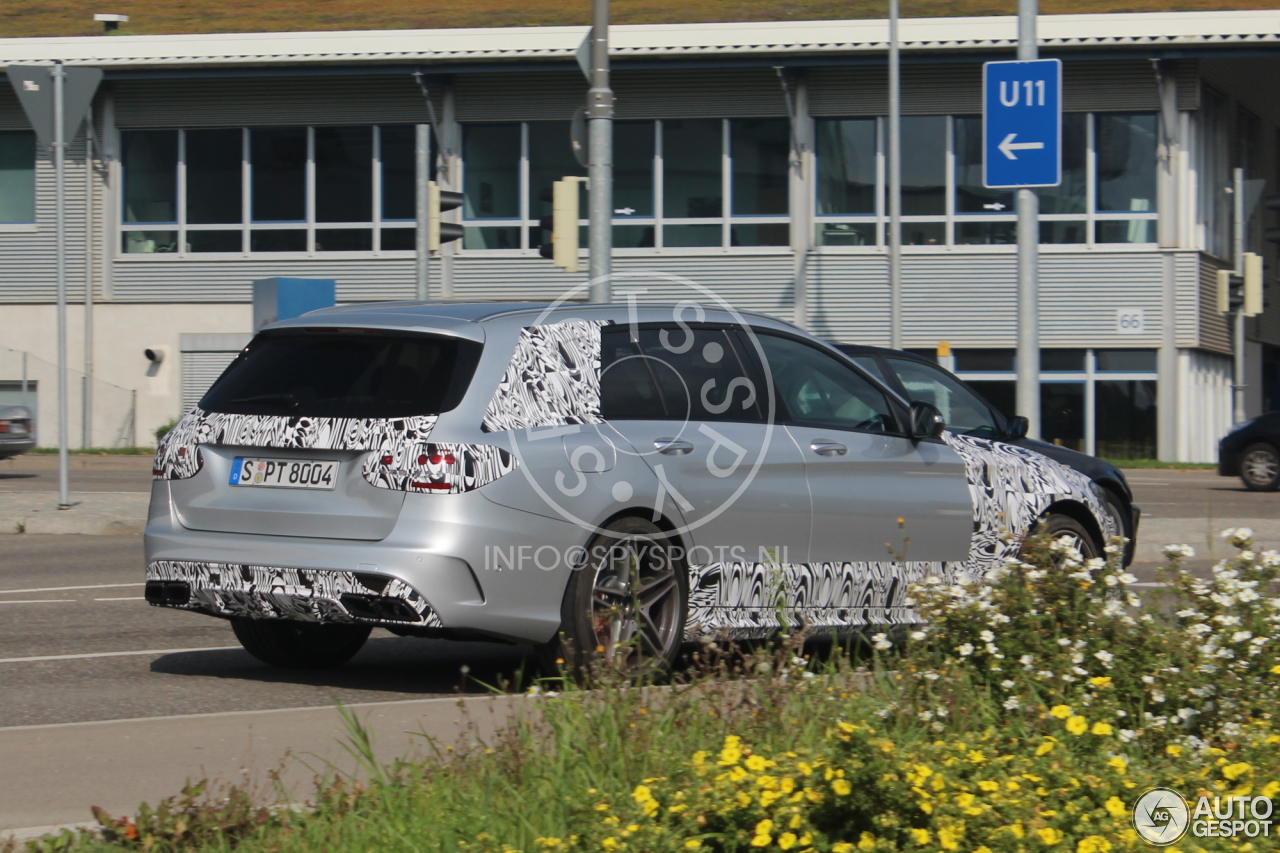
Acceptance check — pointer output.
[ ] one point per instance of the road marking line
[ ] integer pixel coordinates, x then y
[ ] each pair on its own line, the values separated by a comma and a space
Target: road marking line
429, 701
61, 588
126, 598
89, 655
41, 601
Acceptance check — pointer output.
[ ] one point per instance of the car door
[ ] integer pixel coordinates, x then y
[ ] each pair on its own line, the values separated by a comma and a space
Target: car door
683, 399
877, 494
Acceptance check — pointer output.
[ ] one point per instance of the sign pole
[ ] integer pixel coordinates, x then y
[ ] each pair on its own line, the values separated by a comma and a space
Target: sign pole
59, 75
895, 183
422, 174
1237, 331
1028, 205
600, 157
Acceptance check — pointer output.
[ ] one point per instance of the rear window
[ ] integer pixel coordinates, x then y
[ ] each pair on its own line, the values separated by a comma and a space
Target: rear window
357, 374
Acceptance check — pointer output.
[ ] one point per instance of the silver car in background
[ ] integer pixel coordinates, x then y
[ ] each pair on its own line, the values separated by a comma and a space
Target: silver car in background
584, 477
17, 431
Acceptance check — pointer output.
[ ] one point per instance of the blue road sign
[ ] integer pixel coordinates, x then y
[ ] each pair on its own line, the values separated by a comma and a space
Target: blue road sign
1022, 123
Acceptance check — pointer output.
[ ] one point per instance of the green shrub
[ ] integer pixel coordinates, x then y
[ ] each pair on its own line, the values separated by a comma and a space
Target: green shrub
164, 429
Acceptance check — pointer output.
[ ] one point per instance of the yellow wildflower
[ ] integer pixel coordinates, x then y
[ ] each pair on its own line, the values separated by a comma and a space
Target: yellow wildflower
757, 764
948, 839
845, 847
1116, 807
1270, 789
1118, 763
1235, 771
921, 836
866, 842
1093, 844
1060, 711
762, 841
744, 800
1017, 830
965, 800
1077, 725
1100, 681
1049, 835
988, 786
729, 756
1173, 749
609, 843
787, 840
1275, 670
693, 844
842, 787
1102, 729
1044, 748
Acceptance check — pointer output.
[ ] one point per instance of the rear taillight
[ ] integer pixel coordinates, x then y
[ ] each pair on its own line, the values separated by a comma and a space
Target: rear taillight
15, 425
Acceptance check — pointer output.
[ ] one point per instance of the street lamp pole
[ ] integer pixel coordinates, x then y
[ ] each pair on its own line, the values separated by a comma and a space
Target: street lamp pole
1028, 206
600, 158
895, 183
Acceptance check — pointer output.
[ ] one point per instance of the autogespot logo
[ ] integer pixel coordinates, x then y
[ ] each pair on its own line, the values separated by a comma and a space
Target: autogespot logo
667, 346
1161, 816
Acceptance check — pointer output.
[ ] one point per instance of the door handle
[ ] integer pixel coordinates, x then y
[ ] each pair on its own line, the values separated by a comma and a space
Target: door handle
827, 447
673, 446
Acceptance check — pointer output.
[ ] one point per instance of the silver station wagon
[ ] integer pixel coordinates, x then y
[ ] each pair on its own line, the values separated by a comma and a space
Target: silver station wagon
612, 479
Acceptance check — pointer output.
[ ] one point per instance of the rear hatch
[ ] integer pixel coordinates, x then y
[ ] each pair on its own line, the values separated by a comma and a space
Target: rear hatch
289, 436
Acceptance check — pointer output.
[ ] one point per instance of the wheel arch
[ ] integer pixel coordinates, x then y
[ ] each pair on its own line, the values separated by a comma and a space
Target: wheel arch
1079, 512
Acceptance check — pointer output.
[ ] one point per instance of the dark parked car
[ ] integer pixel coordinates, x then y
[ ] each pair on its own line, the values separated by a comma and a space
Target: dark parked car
1251, 451
17, 433
968, 412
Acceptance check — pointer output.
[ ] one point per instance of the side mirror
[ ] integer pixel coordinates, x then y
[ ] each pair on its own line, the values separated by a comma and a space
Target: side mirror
1017, 427
926, 421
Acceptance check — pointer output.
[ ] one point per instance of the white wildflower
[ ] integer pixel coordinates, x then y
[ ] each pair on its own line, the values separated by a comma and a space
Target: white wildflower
965, 650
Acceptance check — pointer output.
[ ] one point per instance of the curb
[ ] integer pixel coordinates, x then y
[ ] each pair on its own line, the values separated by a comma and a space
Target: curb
84, 525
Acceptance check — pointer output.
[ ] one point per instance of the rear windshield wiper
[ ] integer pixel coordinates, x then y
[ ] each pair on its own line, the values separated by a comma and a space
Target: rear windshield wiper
267, 399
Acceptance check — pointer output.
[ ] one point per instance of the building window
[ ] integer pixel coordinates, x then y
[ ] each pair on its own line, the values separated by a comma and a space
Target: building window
678, 184
17, 176
268, 190
1101, 402
1214, 171
944, 201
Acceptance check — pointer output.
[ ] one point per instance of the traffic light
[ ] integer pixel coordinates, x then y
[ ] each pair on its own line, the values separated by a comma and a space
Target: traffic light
562, 247
1242, 291
438, 201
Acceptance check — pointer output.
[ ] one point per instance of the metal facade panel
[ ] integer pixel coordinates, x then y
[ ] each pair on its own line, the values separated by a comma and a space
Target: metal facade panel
199, 371
746, 282
551, 95
1187, 301
231, 280
27, 270
216, 102
957, 88
970, 300
1215, 331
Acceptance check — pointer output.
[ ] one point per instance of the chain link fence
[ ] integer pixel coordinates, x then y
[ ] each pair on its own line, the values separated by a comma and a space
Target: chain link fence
99, 414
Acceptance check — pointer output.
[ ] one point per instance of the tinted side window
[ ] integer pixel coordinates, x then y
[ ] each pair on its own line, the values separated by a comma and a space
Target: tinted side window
699, 375
960, 407
628, 391
817, 390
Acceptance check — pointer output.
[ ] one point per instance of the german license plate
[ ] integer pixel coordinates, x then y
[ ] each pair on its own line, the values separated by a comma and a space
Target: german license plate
284, 473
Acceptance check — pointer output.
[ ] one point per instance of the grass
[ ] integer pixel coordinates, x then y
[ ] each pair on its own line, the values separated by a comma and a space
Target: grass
1165, 466
147, 17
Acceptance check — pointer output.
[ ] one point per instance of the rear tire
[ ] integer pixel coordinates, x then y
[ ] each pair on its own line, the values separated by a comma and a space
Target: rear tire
1055, 526
299, 645
1260, 468
626, 608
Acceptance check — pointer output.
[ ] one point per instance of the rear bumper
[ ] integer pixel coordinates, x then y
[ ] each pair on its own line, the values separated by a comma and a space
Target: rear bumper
11, 446
438, 562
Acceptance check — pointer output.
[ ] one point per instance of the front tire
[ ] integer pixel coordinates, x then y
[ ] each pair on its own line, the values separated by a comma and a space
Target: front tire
1055, 526
1260, 468
627, 606
299, 645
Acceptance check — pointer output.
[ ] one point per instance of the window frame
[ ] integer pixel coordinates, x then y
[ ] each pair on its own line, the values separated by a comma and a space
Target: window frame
527, 223
246, 227
12, 225
951, 218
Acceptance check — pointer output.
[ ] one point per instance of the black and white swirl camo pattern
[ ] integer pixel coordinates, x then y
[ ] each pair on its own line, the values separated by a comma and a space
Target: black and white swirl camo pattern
1010, 488
553, 378
402, 458
271, 592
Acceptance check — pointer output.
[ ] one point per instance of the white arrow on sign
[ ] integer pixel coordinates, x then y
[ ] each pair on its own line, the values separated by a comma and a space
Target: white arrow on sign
1008, 146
